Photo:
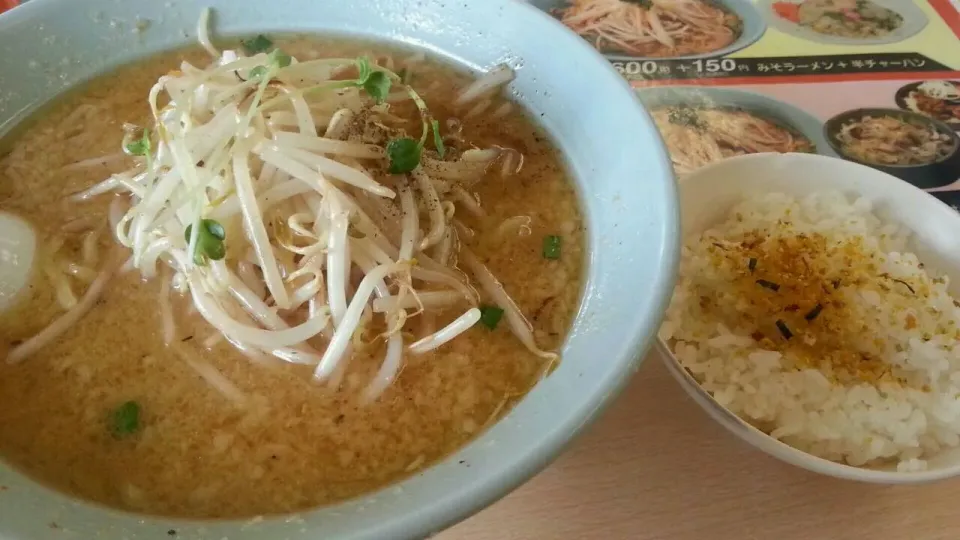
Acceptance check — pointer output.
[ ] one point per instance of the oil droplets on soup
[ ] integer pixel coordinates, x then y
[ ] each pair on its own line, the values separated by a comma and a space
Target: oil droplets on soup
288, 263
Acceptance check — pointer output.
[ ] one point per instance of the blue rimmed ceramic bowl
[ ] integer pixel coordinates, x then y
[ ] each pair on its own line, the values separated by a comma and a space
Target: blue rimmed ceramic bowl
611, 148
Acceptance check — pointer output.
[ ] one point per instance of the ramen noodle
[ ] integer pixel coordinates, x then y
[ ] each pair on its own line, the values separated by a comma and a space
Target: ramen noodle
698, 136
657, 28
887, 140
857, 19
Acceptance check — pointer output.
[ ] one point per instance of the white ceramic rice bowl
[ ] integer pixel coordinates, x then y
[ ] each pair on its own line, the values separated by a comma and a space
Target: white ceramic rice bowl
708, 194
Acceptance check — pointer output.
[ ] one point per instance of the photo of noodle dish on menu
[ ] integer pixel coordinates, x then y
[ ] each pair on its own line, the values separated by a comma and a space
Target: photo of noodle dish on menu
847, 22
635, 29
702, 125
936, 99
911, 146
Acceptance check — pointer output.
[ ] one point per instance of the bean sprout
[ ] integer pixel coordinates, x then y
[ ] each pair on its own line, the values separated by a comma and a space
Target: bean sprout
264, 219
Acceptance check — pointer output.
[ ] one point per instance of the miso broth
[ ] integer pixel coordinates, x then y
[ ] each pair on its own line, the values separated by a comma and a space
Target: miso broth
277, 440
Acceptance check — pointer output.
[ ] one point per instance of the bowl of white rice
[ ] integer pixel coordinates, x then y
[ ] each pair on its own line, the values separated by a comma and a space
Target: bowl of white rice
817, 315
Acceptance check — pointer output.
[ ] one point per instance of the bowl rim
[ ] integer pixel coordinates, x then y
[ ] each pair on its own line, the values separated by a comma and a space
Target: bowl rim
751, 434
467, 498
835, 123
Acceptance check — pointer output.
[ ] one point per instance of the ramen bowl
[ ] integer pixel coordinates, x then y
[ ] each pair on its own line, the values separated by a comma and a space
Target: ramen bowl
940, 172
913, 22
632, 233
783, 115
708, 194
753, 27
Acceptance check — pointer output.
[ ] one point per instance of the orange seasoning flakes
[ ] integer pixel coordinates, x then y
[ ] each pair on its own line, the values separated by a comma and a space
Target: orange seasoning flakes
792, 288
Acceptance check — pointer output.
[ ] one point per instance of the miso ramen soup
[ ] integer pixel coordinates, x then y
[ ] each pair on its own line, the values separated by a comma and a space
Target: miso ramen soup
278, 275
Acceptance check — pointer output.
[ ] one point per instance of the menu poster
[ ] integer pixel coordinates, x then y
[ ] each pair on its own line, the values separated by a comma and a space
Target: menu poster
871, 81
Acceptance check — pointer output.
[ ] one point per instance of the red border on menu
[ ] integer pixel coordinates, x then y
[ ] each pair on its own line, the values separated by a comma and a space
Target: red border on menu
948, 13
797, 79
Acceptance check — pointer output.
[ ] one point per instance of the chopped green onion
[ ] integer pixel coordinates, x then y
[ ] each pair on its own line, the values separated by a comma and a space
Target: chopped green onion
782, 327
377, 85
140, 147
768, 285
437, 139
256, 45
551, 247
490, 316
404, 155
210, 241
126, 419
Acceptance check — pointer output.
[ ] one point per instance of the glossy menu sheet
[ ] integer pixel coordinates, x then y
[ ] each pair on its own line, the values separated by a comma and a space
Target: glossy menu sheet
872, 81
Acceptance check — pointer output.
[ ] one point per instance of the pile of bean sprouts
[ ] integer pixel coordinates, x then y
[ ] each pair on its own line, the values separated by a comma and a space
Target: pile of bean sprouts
320, 242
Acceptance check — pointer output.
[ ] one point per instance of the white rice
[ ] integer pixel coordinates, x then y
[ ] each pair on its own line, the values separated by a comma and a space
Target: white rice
901, 318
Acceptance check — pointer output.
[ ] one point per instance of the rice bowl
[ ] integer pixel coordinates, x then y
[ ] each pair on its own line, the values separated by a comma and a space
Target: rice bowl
909, 145
867, 409
937, 99
894, 423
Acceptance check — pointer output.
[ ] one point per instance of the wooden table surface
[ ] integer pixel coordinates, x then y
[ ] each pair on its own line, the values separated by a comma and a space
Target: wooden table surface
656, 467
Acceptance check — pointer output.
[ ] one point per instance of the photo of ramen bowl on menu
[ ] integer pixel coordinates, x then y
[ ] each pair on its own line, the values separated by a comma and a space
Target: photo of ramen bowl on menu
701, 125
911, 146
936, 99
635, 29
847, 22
